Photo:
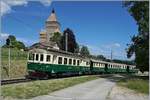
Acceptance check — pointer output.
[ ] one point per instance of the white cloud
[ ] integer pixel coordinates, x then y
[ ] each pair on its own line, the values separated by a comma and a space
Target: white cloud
112, 45
6, 5
116, 44
5, 8
45, 2
15, 2
27, 42
3, 36
98, 50
118, 53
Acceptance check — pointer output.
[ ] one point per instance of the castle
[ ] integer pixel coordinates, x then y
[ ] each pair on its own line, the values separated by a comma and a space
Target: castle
52, 26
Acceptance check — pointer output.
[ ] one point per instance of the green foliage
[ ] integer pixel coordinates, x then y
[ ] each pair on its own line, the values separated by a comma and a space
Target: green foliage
84, 51
101, 57
13, 43
140, 43
57, 38
72, 44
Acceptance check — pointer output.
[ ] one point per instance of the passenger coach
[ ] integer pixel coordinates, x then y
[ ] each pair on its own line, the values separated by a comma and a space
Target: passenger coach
46, 62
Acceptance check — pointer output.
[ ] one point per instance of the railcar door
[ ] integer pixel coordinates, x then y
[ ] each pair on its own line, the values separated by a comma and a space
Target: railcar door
106, 68
91, 65
127, 69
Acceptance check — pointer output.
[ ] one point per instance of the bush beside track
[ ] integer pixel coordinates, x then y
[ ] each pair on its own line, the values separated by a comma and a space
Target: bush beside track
41, 87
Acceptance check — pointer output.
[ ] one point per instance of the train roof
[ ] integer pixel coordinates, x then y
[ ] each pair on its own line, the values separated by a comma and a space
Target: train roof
40, 47
44, 47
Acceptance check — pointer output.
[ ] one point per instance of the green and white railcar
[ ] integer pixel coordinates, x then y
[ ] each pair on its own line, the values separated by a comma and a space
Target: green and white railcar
132, 69
53, 61
116, 67
98, 66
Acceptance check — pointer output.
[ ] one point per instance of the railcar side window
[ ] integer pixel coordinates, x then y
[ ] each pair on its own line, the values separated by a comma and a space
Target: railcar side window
59, 60
48, 58
37, 57
65, 60
87, 63
78, 62
74, 62
41, 57
70, 61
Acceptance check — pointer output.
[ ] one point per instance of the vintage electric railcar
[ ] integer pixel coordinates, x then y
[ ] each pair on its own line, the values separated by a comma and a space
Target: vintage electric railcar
49, 62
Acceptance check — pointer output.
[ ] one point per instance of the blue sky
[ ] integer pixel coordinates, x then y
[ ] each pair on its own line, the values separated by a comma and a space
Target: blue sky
98, 25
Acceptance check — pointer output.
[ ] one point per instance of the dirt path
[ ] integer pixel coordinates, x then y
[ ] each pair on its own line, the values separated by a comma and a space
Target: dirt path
92, 90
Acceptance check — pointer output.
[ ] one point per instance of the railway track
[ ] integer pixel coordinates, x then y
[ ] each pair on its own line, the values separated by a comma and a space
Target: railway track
12, 81
22, 80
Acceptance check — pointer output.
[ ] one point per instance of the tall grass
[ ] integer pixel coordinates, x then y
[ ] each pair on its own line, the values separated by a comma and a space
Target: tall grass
43, 87
137, 84
18, 61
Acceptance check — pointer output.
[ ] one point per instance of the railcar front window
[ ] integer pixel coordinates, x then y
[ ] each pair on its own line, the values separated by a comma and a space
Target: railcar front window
31, 56
48, 58
65, 60
60, 60
41, 57
37, 57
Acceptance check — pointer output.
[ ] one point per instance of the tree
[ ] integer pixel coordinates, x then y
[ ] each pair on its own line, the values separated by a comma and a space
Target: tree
20, 45
57, 38
71, 41
101, 57
77, 48
139, 46
84, 51
13, 43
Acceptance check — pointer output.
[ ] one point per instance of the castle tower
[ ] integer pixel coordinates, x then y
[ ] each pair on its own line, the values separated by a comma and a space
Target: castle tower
52, 25
43, 36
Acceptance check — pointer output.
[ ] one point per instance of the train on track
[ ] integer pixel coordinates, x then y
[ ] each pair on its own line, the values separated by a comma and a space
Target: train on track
48, 62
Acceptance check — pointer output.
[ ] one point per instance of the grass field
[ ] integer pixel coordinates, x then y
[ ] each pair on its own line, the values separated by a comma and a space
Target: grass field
18, 61
41, 87
139, 84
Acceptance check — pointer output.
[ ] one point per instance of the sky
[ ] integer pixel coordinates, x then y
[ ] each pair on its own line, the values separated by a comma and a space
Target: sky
102, 26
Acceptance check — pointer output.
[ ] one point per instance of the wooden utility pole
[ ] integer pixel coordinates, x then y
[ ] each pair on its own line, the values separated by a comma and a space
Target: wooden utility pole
66, 41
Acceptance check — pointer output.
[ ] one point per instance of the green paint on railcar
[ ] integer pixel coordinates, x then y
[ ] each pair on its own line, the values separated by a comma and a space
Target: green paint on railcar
55, 68
133, 71
116, 70
98, 69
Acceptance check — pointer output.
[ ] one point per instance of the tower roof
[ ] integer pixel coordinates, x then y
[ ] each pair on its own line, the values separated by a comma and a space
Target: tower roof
52, 17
